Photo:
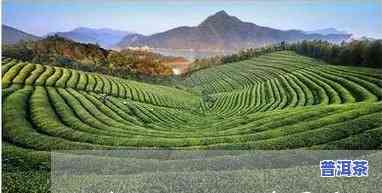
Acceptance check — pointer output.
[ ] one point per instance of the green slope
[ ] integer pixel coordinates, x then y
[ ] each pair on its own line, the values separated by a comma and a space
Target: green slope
276, 101
259, 103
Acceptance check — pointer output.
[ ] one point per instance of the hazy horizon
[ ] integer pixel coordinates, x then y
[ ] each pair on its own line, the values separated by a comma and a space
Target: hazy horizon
40, 17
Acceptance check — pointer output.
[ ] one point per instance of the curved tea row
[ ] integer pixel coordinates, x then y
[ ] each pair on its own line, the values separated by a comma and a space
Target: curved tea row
276, 101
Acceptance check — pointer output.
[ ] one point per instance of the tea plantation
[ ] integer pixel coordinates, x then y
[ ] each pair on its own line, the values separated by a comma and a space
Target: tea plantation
276, 101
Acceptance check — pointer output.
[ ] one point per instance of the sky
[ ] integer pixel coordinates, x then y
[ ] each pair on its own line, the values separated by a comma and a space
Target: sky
39, 17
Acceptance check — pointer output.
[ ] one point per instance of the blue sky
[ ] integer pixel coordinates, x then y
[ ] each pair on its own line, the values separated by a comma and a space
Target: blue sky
362, 18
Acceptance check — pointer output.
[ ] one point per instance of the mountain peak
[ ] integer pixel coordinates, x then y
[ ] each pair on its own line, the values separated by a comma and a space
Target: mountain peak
105, 37
221, 13
81, 29
220, 18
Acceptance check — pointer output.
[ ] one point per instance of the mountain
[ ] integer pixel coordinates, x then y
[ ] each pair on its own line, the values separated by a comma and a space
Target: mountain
326, 31
12, 35
105, 37
224, 32
128, 39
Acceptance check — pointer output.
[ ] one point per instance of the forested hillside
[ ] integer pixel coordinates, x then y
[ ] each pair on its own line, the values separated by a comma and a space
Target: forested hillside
361, 53
58, 51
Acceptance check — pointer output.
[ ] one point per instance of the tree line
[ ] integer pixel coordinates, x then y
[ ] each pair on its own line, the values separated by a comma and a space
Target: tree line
360, 53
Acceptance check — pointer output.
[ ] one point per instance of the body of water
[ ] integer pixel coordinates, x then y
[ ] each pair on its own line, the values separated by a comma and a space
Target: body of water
190, 54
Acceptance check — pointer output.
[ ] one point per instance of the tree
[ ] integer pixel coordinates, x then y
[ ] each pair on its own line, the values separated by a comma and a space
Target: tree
364, 53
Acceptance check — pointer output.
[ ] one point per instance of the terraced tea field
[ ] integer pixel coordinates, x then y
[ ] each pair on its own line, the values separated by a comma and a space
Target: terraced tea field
277, 101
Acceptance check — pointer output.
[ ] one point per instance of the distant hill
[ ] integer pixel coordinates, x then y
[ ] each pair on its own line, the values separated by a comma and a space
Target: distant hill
59, 51
105, 37
128, 40
327, 31
224, 32
11, 35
